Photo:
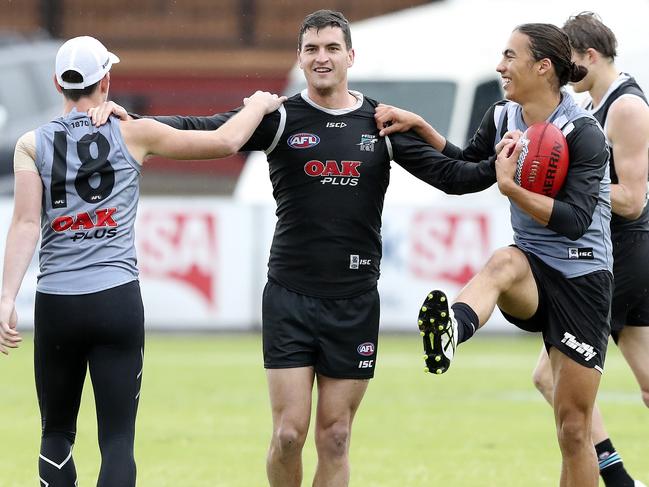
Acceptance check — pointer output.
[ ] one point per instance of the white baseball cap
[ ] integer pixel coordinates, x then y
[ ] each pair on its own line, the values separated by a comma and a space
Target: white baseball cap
88, 57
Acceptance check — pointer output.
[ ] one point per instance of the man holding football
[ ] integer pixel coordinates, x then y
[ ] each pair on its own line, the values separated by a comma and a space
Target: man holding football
556, 278
620, 106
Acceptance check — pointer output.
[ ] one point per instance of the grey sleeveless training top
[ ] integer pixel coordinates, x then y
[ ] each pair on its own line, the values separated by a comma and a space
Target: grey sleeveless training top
90, 197
573, 258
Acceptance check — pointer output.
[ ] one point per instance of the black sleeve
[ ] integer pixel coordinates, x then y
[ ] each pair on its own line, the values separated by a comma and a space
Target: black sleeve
261, 139
575, 204
211, 122
449, 175
481, 145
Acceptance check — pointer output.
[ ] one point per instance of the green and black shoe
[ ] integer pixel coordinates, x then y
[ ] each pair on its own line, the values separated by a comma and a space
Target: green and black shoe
438, 329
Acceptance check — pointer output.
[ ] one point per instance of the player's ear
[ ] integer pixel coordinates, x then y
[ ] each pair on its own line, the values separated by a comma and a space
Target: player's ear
592, 55
104, 84
544, 65
350, 58
299, 60
56, 83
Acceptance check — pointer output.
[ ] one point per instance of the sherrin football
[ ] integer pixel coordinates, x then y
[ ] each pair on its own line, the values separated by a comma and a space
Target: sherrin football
543, 163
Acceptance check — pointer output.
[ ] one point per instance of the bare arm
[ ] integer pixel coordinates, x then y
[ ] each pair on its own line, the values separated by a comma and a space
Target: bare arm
146, 137
628, 132
391, 119
21, 243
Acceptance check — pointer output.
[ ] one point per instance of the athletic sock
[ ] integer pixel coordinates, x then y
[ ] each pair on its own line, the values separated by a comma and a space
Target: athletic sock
611, 467
467, 321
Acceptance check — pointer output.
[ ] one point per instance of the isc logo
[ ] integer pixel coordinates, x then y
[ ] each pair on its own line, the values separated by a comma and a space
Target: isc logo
303, 141
366, 364
366, 349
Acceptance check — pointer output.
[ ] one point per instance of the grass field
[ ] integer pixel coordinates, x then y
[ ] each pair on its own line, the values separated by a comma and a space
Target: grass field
204, 418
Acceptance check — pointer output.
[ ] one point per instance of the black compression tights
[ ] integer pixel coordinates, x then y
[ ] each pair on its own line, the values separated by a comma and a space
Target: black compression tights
103, 332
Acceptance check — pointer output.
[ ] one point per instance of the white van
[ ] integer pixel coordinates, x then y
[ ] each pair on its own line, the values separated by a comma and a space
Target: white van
439, 60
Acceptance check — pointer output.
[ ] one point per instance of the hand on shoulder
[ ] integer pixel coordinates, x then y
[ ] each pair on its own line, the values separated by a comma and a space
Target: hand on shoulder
269, 101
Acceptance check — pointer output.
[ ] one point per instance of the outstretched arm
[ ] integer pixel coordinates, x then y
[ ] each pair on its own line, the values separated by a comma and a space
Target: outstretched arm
390, 120
453, 176
146, 137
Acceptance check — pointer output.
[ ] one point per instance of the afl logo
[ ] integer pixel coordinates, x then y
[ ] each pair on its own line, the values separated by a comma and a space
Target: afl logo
366, 349
303, 141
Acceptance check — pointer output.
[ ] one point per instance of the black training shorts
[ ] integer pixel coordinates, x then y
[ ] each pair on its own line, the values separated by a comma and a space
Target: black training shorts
631, 281
573, 314
338, 337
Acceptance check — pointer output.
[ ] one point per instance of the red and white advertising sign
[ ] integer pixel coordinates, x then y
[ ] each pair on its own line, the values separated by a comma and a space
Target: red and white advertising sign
440, 246
203, 261
196, 270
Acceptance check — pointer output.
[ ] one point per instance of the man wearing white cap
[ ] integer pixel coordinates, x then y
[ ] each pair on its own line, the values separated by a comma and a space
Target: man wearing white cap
78, 186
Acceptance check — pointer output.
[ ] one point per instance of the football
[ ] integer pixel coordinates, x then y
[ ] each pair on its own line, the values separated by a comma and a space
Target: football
543, 163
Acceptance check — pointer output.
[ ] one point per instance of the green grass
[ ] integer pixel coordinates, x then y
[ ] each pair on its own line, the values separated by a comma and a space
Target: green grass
204, 417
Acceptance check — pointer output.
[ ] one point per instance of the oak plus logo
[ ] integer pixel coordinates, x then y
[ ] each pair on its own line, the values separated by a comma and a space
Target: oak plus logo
303, 140
180, 246
343, 173
449, 246
86, 226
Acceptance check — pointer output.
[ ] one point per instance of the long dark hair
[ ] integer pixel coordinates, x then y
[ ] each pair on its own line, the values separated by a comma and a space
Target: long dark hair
549, 41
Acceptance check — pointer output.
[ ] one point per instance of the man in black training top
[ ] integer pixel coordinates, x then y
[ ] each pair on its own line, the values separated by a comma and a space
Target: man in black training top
330, 170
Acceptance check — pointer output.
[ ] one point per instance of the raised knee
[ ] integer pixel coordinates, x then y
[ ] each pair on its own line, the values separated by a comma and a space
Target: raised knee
501, 264
288, 440
333, 440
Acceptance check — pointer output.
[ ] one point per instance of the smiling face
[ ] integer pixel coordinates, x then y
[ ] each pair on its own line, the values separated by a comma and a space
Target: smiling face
324, 58
518, 69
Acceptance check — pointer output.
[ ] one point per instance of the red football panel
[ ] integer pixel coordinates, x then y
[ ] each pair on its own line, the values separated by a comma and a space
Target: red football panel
543, 166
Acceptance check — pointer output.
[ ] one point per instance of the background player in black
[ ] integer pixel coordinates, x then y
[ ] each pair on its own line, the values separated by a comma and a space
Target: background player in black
532, 294
88, 310
330, 170
620, 106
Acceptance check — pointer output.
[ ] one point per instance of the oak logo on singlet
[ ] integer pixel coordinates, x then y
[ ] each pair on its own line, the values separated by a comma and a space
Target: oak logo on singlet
345, 173
84, 226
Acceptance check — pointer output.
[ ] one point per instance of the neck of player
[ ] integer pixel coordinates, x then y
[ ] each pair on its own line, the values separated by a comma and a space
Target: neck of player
602, 82
334, 99
540, 107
